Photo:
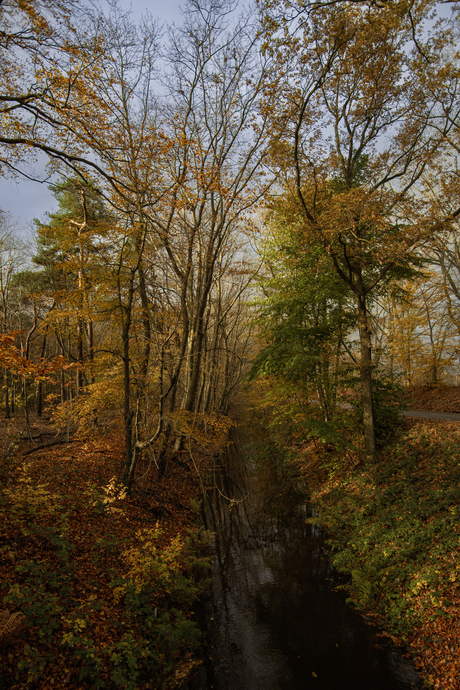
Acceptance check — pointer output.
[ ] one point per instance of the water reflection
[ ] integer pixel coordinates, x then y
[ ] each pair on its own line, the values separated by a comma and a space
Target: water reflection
275, 621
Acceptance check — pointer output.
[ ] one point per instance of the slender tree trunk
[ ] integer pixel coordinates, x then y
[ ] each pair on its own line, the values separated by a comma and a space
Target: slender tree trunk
63, 391
185, 339
79, 377
322, 397
194, 357
220, 400
196, 350
40, 383
90, 347
7, 394
25, 381
366, 375
210, 380
146, 327
127, 412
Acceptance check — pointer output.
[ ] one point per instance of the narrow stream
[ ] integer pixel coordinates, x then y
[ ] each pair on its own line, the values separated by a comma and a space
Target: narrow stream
275, 620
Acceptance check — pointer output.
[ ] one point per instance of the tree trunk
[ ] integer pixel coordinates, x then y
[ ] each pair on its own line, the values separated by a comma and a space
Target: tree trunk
7, 395
128, 413
366, 375
146, 346
40, 383
90, 347
62, 377
79, 377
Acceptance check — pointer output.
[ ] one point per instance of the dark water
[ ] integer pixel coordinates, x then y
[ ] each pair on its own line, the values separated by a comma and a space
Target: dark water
275, 620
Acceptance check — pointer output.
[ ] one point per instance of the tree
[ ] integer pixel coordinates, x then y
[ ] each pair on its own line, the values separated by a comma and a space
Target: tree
181, 173
305, 317
66, 90
216, 162
212, 179
68, 253
12, 258
417, 336
352, 136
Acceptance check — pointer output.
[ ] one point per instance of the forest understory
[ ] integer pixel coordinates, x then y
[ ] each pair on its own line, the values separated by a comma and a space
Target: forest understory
98, 588
263, 192
394, 532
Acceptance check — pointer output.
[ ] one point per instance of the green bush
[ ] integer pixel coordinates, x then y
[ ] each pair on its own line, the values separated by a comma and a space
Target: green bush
152, 628
394, 529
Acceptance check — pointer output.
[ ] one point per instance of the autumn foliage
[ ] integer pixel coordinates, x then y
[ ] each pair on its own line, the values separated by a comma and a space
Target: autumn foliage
98, 587
12, 359
329, 128
394, 535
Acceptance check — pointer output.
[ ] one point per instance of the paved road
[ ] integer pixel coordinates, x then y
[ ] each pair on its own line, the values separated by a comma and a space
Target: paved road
421, 414
447, 416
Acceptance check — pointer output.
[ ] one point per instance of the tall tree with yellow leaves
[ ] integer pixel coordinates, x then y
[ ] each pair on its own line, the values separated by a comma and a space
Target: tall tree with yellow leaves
353, 132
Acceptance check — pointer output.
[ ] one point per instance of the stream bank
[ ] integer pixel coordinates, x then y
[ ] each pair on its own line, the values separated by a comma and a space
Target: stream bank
275, 620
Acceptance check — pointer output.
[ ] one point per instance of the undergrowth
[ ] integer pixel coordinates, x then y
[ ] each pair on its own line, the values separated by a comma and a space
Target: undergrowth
393, 524
104, 603
394, 529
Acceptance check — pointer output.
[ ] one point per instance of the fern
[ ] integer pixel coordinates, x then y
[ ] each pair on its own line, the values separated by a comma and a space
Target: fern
362, 587
10, 625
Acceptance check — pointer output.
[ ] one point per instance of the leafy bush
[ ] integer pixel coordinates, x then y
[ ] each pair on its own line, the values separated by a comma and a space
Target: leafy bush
28, 503
395, 529
150, 633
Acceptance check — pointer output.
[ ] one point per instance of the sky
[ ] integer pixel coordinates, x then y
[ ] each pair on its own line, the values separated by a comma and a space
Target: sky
25, 200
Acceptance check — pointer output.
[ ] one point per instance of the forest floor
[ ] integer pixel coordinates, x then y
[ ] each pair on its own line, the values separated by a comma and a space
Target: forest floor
98, 588
394, 528
107, 583
434, 398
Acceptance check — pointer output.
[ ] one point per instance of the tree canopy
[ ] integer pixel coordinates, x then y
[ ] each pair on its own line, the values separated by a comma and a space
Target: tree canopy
331, 127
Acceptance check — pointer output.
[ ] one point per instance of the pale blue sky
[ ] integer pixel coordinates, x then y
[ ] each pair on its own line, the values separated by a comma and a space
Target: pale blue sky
26, 200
